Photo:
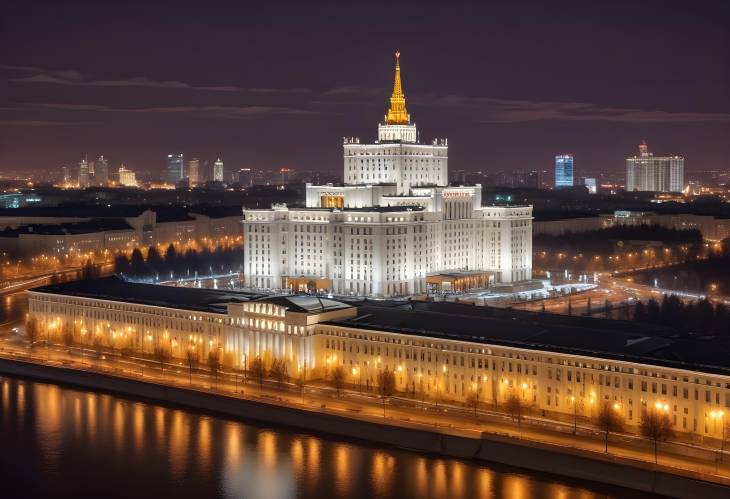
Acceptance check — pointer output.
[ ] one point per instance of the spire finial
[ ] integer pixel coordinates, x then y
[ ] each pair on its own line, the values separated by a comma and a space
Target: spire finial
397, 113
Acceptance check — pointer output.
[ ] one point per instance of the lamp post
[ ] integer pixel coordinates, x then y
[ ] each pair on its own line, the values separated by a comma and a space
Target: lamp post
718, 416
575, 414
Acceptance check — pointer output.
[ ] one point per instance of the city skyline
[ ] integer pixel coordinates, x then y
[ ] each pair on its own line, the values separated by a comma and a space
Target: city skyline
538, 96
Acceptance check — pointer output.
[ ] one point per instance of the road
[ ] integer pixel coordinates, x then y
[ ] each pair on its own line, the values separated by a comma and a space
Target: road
400, 410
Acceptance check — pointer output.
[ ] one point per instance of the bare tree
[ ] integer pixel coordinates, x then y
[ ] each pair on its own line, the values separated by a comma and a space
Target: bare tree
472, 400
279, 372
258, 370
515, 407
67, 335
31, 332
609, 421
302, 380
162, 355
192, 358
656, 426
96, 342
214, 364
338, 379
386, 385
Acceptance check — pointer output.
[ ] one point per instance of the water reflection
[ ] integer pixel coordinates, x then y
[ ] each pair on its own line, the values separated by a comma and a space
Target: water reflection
77, 444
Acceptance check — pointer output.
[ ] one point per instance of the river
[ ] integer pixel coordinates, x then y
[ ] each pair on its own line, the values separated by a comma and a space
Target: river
63, 442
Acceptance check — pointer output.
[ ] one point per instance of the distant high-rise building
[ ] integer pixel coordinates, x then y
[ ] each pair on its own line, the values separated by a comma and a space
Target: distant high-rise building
127, 178
194, 171
285, 176
65, 175
218, 170
563, 171
647, 172
175, 170
84, 178
590, 184
245, 177
101, 171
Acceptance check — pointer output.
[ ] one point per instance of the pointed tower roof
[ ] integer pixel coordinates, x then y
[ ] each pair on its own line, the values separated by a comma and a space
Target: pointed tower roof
397, 113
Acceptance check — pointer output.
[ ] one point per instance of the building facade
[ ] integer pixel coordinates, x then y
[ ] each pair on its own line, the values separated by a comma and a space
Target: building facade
101, 171
84, 174
127, 178
194, 171
393, 223
650, 173
218, 170
439, 351
563, 171
175, 168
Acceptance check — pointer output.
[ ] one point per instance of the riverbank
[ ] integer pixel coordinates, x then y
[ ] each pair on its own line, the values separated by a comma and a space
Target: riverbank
419, 438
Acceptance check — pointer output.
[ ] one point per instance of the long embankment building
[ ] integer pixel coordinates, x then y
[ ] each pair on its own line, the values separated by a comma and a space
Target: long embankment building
394, 227
448, 351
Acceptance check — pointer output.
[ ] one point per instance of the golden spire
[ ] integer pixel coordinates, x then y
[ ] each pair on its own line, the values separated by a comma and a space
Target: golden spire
397, 113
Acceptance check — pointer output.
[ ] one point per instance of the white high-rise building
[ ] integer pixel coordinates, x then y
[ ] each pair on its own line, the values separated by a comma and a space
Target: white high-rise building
647, 172
394, 228
127, 178
84, 174
218, 170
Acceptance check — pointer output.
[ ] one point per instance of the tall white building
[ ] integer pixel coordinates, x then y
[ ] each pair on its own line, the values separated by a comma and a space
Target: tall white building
394, 228
647, 172
218, 170
84, 174
127, 178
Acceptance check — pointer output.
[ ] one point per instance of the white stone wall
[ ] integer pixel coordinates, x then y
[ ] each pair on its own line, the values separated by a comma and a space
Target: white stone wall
385, 253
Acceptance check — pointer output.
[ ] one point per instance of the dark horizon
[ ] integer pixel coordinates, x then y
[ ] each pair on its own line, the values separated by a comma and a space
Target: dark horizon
279, 85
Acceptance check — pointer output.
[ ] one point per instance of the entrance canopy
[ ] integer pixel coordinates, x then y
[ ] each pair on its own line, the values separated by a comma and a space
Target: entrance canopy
462, 280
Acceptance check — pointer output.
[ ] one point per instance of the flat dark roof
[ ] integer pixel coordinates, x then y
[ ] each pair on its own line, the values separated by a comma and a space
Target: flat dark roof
600, 338
117, 289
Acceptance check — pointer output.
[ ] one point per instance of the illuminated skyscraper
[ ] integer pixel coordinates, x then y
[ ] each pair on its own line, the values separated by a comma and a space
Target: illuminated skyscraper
127, 178
175, 170
101, 171
647, 172
84, 180
194, 171
218, 170
563, 171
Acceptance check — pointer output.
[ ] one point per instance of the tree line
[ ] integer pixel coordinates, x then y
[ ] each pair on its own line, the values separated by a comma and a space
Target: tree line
173, 264
604, 241
707, 275
699, 317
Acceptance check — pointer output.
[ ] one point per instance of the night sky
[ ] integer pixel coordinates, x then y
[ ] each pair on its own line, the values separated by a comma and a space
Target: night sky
273, 84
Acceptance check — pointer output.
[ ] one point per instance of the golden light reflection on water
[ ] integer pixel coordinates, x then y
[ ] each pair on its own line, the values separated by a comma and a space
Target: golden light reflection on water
343, 473
233, 439
267, 448
297, 457
382, 474
159, 426
156, 443
179, 437
204, 444
138, 428
91, 402
6, 399
421, 476
119, 426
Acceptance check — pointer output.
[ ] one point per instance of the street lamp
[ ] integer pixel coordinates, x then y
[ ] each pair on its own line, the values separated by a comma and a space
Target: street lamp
718, 416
